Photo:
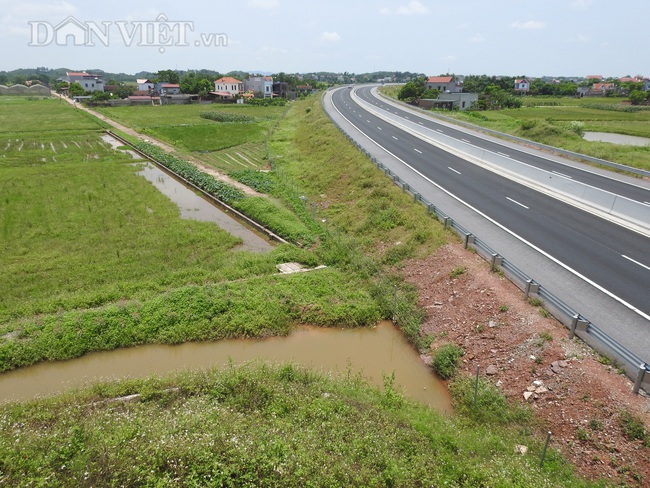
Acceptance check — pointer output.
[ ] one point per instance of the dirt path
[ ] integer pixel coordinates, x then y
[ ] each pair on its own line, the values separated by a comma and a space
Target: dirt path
578, 399
167, 148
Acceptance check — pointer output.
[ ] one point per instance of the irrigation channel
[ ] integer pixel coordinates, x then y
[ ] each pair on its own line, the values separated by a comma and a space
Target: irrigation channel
372, 353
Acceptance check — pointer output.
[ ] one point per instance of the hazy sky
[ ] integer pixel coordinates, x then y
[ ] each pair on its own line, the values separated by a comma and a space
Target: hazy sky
499, 37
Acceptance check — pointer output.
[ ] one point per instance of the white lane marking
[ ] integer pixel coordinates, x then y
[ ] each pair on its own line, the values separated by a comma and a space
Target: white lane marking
454, 170
503, 227
520, 204
503, 154
646, 203
420, 123
562, 175
379, 128
395, 138
440, 131
406, 117
465, 140
417, 150
636, 262
367, 121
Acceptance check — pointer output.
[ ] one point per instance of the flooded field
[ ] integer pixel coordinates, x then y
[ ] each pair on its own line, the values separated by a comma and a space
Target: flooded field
195, 207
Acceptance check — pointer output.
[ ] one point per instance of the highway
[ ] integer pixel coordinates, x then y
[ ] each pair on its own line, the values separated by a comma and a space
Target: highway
610, 258
626, 189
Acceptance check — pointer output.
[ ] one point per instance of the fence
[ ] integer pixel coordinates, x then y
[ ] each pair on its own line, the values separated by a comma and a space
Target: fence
636, 368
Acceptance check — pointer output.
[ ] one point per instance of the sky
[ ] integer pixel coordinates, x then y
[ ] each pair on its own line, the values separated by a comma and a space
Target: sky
471, 37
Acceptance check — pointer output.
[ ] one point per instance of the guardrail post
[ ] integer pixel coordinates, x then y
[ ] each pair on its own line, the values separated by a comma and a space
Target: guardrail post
431, 209
469, 239
496, 261
447, 222
416, 197
574, 324
405, 187
639, 378
531, 287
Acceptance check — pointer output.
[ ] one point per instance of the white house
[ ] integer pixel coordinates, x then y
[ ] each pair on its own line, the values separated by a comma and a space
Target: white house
228, 87
88, 82
145, 84
522, 85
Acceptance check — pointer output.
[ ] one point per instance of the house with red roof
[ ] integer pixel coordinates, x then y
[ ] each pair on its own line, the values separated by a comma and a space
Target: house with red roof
228, 87
444, 84
522, 85
164, 88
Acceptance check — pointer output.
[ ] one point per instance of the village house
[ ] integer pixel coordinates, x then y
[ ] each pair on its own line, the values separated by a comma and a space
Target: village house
89, 82
145, 85
522, 85
164, 88
260, 86
444, 84
228, 87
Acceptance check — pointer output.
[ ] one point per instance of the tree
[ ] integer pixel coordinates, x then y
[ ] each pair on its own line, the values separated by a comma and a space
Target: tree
637, 97
168, 75
76, 90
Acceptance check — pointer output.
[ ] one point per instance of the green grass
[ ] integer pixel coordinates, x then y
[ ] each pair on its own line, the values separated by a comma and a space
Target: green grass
208, 138
262, 425
20, 114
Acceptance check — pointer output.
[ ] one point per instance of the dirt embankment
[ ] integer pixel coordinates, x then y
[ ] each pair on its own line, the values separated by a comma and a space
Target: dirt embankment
579, 399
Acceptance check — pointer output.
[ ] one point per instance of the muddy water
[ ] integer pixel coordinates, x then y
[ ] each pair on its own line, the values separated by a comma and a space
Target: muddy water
616, 138
371, 352
194, 207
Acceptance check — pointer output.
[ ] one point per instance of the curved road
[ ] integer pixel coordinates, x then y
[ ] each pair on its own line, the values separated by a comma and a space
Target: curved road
610, 258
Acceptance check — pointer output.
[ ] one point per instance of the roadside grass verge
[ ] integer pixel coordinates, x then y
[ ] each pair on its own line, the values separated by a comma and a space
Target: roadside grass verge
261, 425
344, 188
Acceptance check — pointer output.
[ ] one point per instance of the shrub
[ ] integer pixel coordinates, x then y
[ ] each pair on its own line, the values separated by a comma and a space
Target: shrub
445, 360
227, 117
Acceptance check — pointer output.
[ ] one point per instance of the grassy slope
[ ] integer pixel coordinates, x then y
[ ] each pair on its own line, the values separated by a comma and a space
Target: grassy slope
550, 125
265, 425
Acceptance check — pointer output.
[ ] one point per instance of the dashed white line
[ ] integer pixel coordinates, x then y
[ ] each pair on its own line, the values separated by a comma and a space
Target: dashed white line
504, 154
420, 123
367, 121
562, 175
454, 170
417, 150
520, 204
465, 140
440, 131
636, 262
379, 128
395, 138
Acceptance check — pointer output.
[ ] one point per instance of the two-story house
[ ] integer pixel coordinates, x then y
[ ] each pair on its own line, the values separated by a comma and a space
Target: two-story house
164, 88
89, 82
228, 87
522, 85
261, 86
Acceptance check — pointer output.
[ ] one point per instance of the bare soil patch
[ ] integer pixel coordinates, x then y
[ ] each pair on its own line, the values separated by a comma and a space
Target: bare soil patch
576, 397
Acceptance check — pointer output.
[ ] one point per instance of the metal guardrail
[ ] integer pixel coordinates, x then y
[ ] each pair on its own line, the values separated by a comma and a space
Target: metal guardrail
636, 369
539, 145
